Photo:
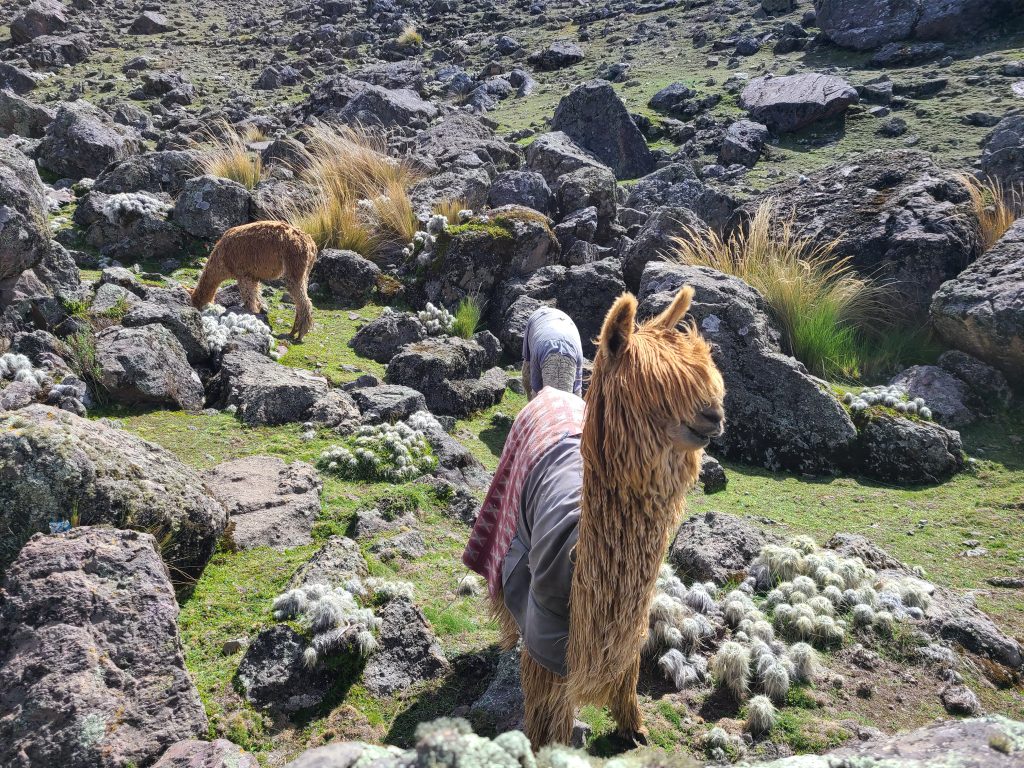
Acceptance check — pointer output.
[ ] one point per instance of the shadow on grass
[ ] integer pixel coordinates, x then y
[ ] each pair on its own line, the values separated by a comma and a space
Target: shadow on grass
494, 438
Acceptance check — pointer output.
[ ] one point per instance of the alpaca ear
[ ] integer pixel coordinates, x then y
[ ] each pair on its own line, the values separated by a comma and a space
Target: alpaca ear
677, 309
618, 325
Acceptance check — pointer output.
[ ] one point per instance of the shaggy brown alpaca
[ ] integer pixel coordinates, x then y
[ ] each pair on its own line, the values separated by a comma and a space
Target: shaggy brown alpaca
257, 252
655, 400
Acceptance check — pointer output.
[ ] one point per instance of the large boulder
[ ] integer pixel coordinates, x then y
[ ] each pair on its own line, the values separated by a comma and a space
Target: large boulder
677, 185
897, 216
716, 547
268, 393
460, 141
792, 102
1002, 153
656, 240
898, 450
208, 206
777, 415
273, 674
382, 338
409, 652
555, 154
743, 143
154, 172
82, 140
43, 17
478, 256
91, 664
16, 79
558, 55
146, 366
21, 116
171, 308
526, 188
54, 465
269, 503
593, 116
946, 395
980, 310
342, 98
24, 235
345, 275
865, 24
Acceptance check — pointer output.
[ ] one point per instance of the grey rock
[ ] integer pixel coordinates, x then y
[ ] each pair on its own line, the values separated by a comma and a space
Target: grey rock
792, 102
779, 415
501, 707
353, 101
979, 311
585, 188
208, 206
42, 17
526, 188
677, 185
988, 390
898, 450
16, 79
594, 117
960, 700
898, 216
59, 273
388, 402
155, 172
381, 339
465, 184
712, 475
336, 409
53, 52
21, 116
274, 77
1002, 152
555, 154
408, 545
53, 463
743, 143
461, 141
901, 55
82, 140
150, 23
335, 563
273, 675
24, 236
409, 652
346, 275
558, 55
654, 242
456, 464
945, 394
146, 366
439, 367
266, 392
865, 24
91, 663
716, 547
219, 753
269, 503
19, 394
171, 308
856, 545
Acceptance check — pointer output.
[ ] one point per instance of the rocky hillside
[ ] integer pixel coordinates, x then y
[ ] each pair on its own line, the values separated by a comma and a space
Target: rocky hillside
221, 545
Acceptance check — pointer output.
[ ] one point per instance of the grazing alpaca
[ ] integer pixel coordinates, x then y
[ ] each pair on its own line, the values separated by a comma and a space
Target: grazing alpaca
257, 252
621, 470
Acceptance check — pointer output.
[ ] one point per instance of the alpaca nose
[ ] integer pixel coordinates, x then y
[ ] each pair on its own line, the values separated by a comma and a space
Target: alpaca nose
710, 422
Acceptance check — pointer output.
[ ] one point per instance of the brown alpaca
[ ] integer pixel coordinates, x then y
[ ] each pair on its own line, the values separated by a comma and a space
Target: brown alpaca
258, 252
655, 400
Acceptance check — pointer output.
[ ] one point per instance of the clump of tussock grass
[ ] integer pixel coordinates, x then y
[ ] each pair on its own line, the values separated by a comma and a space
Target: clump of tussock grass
731, 667
410, 37
821, 304
454, 210
467, 317
360, 198
773, 678
805, 662
228, 156
761, 715
995, 207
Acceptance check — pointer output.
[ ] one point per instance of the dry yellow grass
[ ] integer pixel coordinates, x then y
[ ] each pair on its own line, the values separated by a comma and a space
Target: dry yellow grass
228, 156
818, 300
345, 166
995, 206
450, 209
410, 37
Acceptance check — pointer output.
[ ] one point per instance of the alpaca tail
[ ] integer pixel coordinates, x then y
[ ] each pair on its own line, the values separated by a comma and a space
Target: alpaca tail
214, 273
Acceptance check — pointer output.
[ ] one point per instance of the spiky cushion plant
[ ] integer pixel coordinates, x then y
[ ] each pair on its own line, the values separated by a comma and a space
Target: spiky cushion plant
761, 715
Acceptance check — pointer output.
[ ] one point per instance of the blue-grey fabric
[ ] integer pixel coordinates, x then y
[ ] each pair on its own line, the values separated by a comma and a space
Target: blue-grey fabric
537, 571
551, 331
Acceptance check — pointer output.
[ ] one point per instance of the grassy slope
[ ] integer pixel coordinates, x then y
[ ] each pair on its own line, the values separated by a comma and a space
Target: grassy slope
925, 526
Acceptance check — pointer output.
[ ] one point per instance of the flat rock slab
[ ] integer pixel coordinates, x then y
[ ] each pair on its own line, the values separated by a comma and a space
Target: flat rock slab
792, 102
270, 503
91, 666
219, 753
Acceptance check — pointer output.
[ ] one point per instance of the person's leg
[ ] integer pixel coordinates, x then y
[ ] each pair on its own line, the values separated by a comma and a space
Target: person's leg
526, 381
559, 371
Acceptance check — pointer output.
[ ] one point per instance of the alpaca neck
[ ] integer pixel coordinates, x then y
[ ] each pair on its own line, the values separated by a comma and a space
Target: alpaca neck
209, 281
623, 534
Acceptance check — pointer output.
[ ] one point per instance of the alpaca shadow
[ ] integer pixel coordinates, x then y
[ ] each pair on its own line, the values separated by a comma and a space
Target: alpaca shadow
469, 677
494, 438
720, 703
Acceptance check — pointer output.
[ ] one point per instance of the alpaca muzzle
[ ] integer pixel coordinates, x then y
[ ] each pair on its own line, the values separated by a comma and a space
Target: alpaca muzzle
710, 422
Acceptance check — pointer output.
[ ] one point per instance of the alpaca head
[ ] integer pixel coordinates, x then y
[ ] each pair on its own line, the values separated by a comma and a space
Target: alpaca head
655, 397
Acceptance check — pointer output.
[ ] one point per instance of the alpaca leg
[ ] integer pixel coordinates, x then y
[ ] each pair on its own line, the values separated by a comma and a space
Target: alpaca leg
549, 711
249, 288
303, 310
625, 706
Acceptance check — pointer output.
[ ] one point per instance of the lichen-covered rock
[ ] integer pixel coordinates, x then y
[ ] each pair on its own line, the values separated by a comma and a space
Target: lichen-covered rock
82, 140
980, 311
21, 116
269, 503
24, 237
898, 450
345, 275
945, 394
42, 17
381, 339
273, 674
91, 664
334, 564
146, 366
388, 402
409, 652
444, 369
219, 753
716, 547
208, 206
54, 465
171, 308
793, 102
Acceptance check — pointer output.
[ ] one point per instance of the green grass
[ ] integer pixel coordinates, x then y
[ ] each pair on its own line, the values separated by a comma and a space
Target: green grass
467, 317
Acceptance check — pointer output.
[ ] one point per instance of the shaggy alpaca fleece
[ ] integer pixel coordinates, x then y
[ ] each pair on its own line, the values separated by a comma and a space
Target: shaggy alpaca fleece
649, 384
257, 252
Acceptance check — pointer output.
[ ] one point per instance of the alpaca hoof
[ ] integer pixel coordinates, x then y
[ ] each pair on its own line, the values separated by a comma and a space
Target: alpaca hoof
636, 738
